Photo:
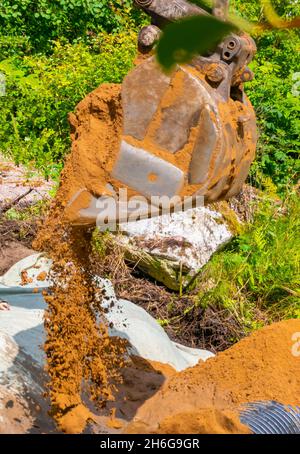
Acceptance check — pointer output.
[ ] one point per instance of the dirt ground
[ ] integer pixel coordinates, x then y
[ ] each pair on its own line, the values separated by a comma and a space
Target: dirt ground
15, 242
30, 413
20, 190
204, 399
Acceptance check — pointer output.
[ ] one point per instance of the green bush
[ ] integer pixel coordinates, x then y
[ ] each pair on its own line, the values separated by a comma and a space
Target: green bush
257, 276
43, 21
271, 92
41, 90
278, 113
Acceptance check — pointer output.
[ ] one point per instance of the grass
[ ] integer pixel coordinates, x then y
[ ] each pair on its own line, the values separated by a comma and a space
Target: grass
257, 276
28, 213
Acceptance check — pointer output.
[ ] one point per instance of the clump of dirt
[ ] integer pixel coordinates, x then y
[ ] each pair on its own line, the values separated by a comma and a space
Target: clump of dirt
81, 357
25, 278
42, 276
208, 397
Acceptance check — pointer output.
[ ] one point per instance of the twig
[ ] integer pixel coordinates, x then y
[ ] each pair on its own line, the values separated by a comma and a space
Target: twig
9, 205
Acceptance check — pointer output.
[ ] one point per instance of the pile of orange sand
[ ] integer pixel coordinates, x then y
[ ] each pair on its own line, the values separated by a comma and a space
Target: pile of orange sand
207, 398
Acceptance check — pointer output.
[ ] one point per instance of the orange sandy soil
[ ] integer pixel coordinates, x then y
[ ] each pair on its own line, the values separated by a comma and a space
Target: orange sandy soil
206, 398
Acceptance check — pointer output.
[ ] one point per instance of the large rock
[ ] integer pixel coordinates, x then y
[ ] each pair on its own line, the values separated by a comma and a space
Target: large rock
173, 248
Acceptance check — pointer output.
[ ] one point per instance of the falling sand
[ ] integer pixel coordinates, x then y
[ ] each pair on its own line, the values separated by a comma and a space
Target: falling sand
81, 358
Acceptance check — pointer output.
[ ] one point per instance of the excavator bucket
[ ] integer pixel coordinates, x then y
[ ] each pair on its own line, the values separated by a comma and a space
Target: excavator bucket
161, 139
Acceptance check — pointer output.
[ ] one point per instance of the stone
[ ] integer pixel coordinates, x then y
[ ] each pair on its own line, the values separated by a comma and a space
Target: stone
173, 248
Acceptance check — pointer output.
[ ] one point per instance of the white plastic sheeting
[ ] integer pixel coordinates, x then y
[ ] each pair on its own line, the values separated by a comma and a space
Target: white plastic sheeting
24, 322
34, 266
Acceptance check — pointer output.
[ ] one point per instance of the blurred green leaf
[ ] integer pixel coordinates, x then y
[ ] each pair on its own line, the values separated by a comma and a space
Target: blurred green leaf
183, 40
205, 4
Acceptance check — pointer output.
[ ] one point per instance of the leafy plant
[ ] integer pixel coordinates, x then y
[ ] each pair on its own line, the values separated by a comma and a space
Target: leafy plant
41, 90
257, 277
27, 214
43, 21
277, 105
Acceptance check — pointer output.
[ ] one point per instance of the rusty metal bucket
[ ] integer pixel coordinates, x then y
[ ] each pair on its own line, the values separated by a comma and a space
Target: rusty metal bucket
186, 135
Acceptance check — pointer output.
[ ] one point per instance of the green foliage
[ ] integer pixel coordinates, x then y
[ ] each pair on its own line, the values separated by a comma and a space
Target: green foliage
276, 103
277, 107
27, 214
100, 243
14, 45
257, 277
43, 21
42, 90
253, 10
